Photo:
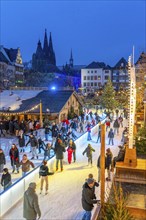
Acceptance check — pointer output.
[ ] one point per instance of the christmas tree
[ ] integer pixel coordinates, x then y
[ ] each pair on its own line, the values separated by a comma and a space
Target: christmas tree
107, 99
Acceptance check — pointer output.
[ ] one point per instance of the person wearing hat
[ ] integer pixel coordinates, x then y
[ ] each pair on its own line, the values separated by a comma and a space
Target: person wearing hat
120, 156
88, 152
88, 198
31, 209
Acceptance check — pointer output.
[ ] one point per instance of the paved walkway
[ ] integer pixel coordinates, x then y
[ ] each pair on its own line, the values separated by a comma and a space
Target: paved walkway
65, 188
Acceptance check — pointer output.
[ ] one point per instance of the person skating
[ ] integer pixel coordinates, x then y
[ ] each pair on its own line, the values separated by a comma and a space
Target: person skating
2, 160
47, 150
14, 157
31, 209
111, 136
89, 131
88, 152
59, 150
21, 141
26, 163
109, 157
73, 146
6, 179
88, 200
34, 144
41, 144
69, 155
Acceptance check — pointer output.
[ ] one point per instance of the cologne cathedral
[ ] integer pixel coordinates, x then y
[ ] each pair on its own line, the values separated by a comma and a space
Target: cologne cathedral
44, 59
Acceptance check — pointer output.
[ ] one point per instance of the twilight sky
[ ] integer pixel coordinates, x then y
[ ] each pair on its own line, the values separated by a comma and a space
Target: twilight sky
101, 31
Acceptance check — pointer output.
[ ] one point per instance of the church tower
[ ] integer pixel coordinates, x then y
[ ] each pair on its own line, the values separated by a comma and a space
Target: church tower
71, 61
52, 59
46, 47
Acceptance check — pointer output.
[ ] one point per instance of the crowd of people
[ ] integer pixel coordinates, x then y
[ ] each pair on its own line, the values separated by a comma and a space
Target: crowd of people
63, 138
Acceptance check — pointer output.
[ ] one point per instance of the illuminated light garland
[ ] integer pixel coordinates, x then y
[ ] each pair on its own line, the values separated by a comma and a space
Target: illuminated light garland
132, 101
19, 113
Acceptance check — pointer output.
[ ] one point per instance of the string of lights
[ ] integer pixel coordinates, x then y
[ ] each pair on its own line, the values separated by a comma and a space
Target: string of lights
19, 113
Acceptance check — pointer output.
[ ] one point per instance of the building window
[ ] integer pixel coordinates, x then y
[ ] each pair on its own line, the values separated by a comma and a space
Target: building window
95, 71
91, 77
84, 84
106, 77
92, 84
95, 84
88, 84
88, 71
106, 71
84, 77
95, 77
91, 71
88, 77
99, 77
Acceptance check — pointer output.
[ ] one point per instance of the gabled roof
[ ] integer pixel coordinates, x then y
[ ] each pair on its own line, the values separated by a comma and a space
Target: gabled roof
96, 65
122, 63
12, 54
52, 100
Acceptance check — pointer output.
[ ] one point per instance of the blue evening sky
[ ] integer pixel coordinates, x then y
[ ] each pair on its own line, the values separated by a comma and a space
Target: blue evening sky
101, 31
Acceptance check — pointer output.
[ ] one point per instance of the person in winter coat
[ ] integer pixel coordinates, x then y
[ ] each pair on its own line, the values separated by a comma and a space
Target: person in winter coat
116, 126
99, 133
31, 209
41, 144
11, 127
120, 119
109, 157
89, 131
6, 179
21, 140
107, 124
124, 135
55, 131
43, 173
47, 150
88, 152
73, 146
88, 198
34, 144
59, 150
26, 163
47, 131
70, 151
16, 127
111, 136
120, 156
14, 157
2, 160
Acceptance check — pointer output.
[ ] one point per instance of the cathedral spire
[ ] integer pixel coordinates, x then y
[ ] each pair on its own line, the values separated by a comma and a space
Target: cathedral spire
45, 48
39, 49
71, 59
51, 51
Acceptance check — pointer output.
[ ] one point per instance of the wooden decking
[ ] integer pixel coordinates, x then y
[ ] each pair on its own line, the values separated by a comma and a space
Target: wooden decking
131, 174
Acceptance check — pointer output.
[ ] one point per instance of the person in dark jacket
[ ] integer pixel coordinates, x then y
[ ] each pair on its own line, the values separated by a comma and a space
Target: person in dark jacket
2, 160
116, 126
14, 157
109, 157
47, 131
41, 144
120, 156
43, 173
88, 152
6, 179
21, 140
111, 136
55, 131
31, 209
59, 150
47, 150
34, 144
99, 133
88, 198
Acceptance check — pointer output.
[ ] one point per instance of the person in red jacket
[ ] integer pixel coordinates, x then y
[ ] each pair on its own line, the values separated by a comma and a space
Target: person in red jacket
70, 151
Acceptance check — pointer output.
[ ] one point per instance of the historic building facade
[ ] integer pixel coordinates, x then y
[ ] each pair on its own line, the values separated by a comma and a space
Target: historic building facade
95, 76
11, 67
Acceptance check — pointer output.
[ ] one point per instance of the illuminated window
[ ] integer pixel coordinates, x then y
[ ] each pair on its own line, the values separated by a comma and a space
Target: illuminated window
99, 77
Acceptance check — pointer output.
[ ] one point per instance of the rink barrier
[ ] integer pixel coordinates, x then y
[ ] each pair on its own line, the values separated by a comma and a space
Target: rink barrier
15, 192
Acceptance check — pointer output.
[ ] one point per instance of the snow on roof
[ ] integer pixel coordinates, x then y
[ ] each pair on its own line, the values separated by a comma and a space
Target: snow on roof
13, 101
